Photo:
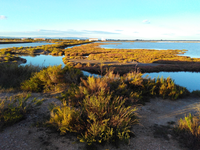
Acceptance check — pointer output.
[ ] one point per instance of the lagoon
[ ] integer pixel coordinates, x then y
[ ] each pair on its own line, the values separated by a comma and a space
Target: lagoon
43, 60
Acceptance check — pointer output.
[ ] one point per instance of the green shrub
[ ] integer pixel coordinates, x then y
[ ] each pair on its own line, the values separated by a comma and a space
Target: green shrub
196, 93
167, 88
188, 131
100, 118
190, 123
15, 109
12, 75
66, 119
131, 86
52, 78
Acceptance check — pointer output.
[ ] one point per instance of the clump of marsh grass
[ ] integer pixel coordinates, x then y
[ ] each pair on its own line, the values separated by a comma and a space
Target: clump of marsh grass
196, 93
100, 118
132, 86
14, 109
166, 88
188, 130
12, 75
52, 78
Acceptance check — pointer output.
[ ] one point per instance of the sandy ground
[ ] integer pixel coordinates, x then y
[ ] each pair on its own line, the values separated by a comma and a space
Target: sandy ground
156, 113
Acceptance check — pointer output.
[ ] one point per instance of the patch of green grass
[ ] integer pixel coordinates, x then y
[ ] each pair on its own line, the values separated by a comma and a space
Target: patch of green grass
196, 93
14, 109
166, 88
188, 130
52, 78
12, 75
100, 118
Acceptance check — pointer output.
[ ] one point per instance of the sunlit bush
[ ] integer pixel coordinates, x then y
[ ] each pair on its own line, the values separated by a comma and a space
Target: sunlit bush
52, 78
14, 109
101, 118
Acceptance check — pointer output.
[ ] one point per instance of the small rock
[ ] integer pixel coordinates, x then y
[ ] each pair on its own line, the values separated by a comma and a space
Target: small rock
169, 136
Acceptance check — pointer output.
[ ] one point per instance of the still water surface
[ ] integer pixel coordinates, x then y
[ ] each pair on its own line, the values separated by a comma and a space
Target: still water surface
190, 80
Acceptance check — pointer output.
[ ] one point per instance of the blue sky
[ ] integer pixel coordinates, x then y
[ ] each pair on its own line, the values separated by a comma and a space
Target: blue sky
116, 19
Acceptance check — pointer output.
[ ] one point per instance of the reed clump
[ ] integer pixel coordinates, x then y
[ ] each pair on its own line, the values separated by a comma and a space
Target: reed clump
52, 78
188, 130
100, 118
132, 86
12, 75
15, 109
166, 88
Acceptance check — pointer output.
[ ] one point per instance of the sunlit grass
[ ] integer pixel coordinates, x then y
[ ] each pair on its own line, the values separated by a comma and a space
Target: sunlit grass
12, 75
100, 118
188, 129
13, 109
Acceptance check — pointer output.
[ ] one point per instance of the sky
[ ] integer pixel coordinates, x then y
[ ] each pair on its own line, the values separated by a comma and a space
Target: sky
109, 19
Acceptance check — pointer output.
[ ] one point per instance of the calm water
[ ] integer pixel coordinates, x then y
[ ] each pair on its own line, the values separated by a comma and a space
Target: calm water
193, 48
190, 80
23, 45
44, 60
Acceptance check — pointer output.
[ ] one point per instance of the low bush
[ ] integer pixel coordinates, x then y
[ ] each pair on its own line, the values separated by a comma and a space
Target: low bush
52, 78
100, 118
132, 86
166, 88
14, 109
12, 75
188, 131
196, 93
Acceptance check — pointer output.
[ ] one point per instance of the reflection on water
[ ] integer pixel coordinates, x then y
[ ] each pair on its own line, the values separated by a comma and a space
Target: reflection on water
190, 80
44, 60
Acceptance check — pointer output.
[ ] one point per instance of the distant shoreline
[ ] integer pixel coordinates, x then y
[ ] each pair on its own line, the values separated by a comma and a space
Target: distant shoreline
13, 42
160, 41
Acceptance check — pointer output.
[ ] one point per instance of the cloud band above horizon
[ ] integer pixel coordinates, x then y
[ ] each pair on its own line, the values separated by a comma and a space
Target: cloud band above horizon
3, 17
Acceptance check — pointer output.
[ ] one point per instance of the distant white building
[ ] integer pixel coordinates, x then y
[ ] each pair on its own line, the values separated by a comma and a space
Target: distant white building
93, 39
102, 39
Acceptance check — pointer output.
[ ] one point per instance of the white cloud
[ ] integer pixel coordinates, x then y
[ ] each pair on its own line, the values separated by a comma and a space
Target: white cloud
146, 21
3, 17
